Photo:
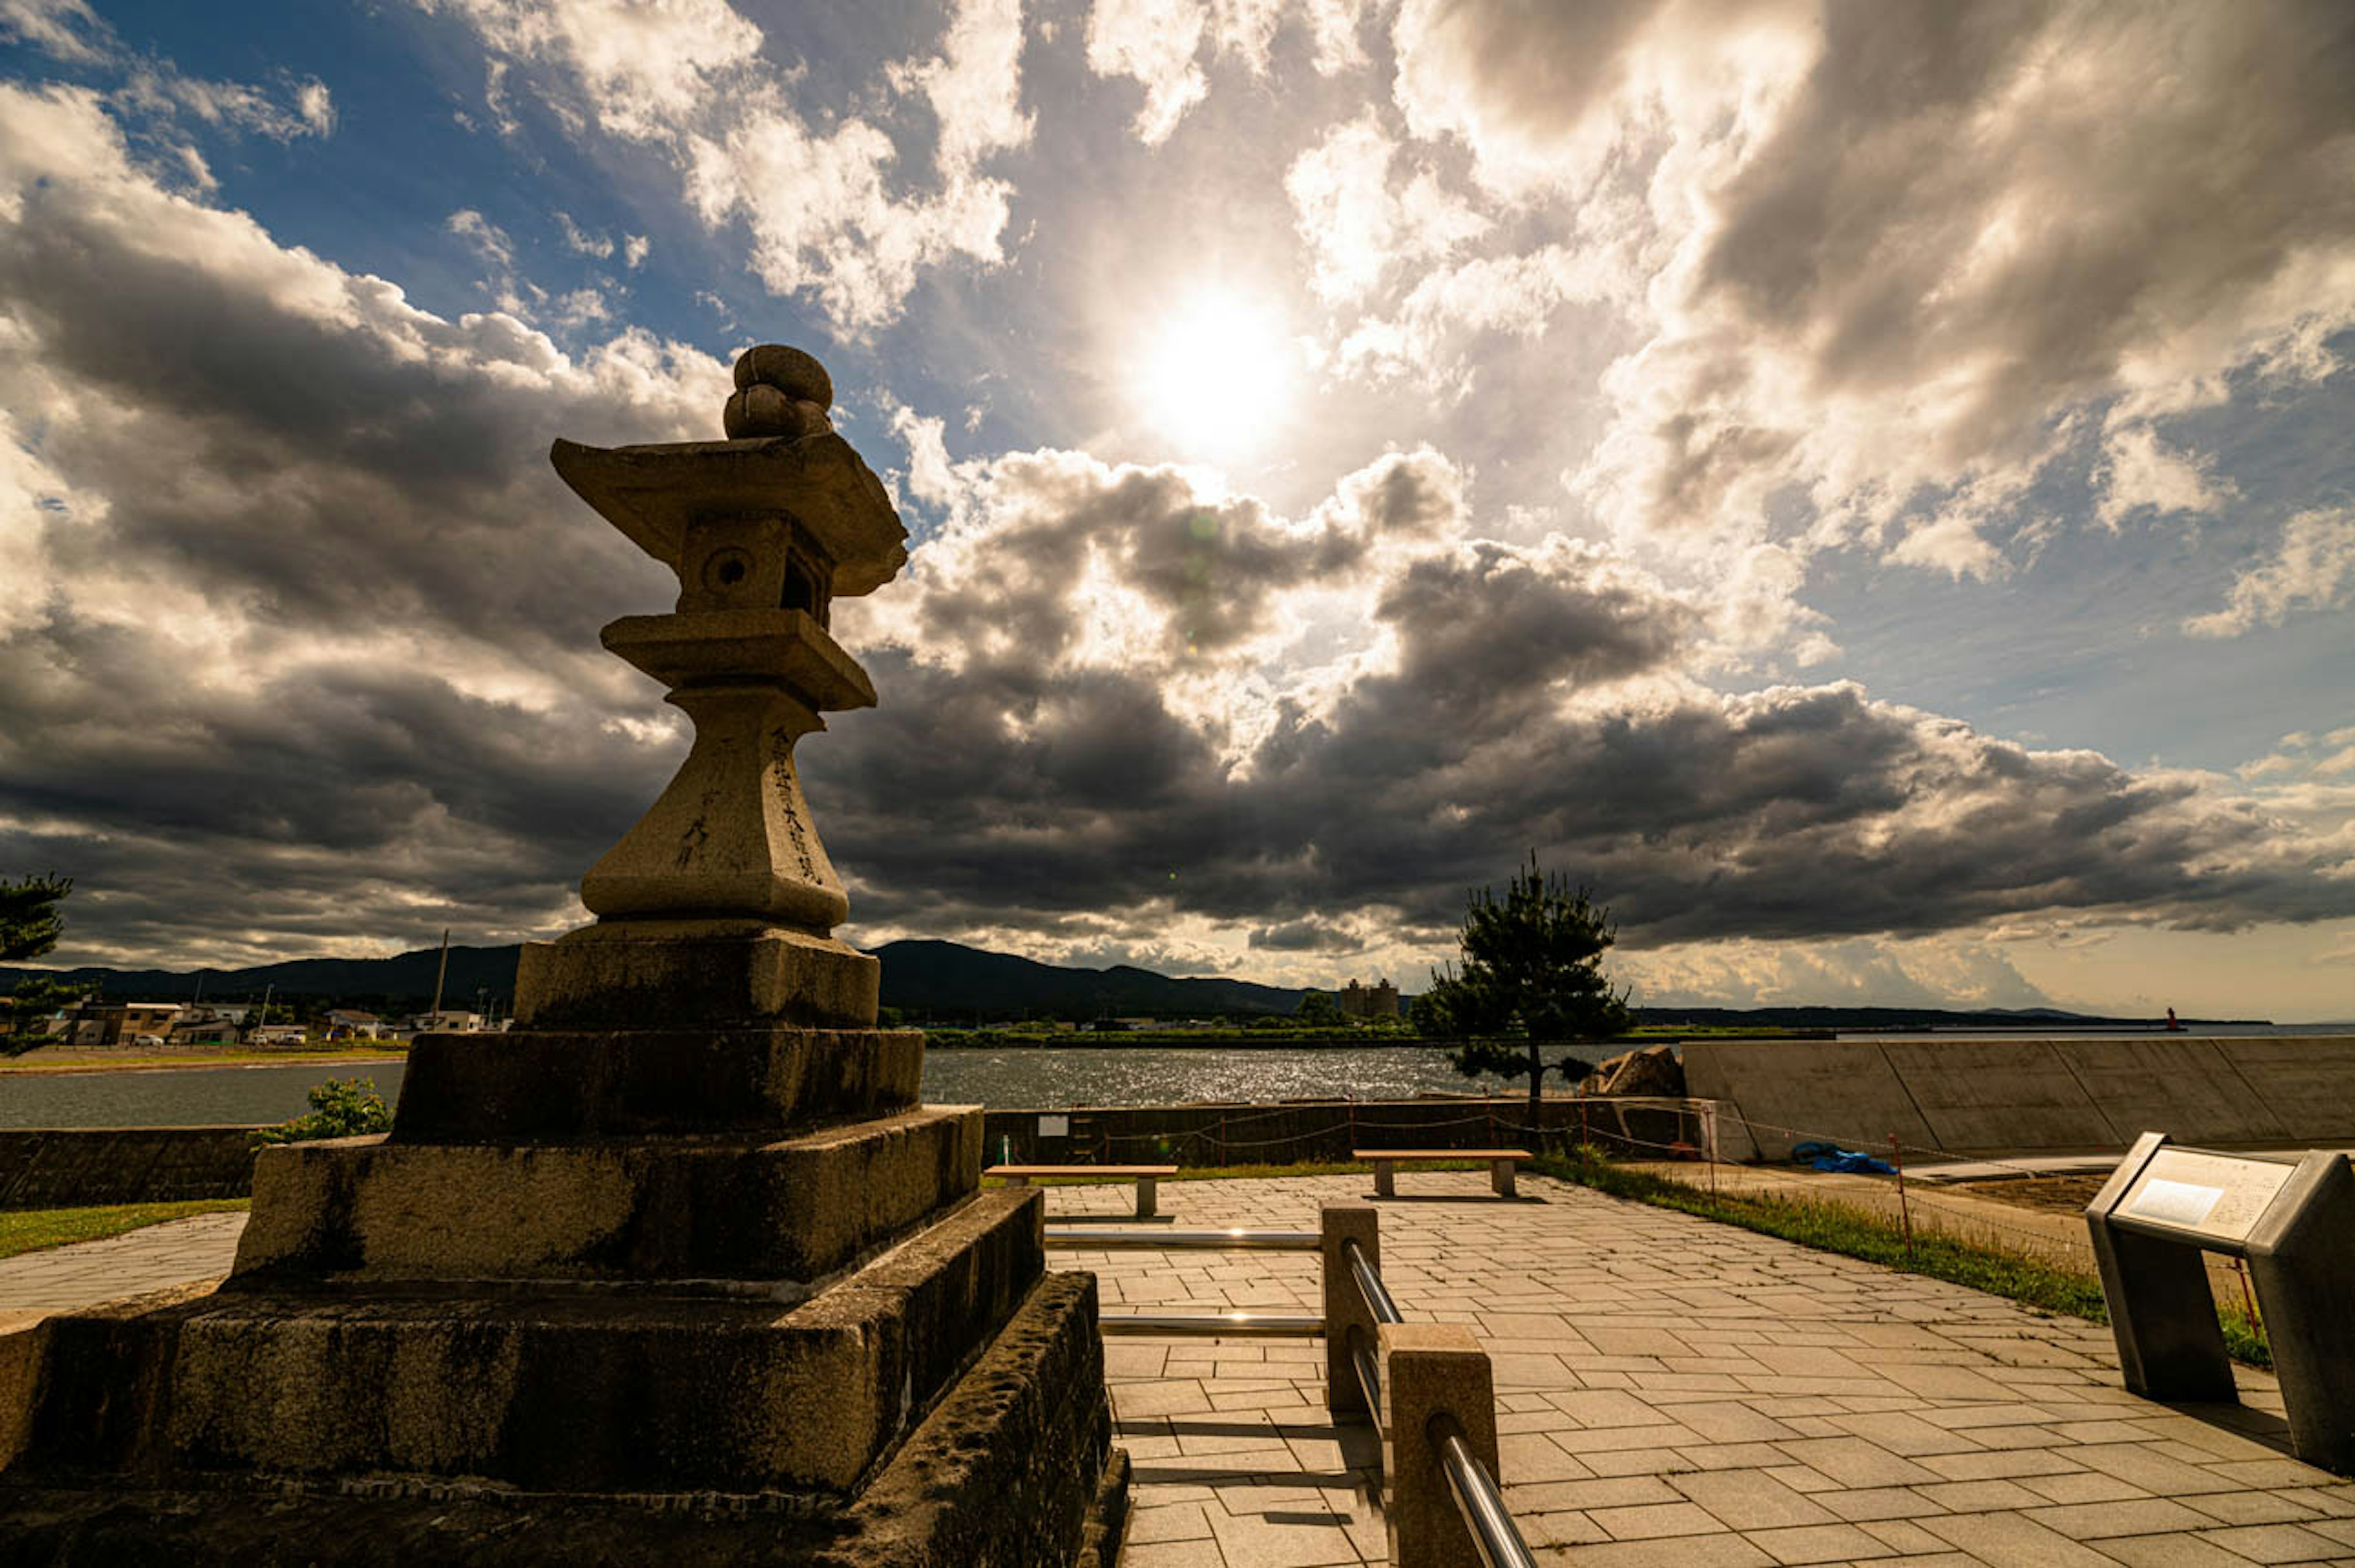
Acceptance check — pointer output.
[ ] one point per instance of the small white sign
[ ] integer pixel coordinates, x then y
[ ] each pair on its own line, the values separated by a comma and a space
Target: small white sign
2175, 1203
1054, 1126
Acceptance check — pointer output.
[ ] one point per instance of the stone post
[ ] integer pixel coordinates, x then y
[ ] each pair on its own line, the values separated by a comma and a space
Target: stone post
1429, 1369
1347, 1316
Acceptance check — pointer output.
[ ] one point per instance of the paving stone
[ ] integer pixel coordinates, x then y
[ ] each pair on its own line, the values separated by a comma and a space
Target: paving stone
1998, 1465
1820, 1543
2251, 1507
1686, 1552
1902, 1432
1872, 1503
2009, 1541
2276, 1544
2092, 1487
1979, 1496
1749, 1500
1178, 1521
1903, 1535
2133, 1516
1654, 1520
1855, 1462
2172, 1552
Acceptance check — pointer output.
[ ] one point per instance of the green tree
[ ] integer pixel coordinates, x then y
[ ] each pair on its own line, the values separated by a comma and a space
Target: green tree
1532, 967
30, 924
1319, 1009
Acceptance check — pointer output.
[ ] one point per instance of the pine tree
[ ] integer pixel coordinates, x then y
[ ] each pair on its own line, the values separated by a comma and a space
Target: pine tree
30, 924
1533, 965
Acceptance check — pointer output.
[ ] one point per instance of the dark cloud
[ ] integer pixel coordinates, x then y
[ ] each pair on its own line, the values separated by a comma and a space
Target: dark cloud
1305, 936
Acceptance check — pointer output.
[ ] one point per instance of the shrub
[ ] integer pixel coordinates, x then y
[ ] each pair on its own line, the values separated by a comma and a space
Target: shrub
340, 1108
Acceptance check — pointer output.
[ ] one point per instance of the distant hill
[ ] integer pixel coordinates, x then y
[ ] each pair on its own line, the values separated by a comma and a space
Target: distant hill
949, 983
408, 977
923, 980
945, 981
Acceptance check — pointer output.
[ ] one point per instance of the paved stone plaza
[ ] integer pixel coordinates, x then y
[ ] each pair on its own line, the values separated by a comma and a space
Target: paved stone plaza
1672, 1393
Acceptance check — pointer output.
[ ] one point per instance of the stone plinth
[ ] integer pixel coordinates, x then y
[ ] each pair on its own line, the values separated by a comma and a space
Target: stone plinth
658, 974
677, 1272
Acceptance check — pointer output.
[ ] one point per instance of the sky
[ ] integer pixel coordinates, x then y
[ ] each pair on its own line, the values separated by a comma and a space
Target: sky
1865, 488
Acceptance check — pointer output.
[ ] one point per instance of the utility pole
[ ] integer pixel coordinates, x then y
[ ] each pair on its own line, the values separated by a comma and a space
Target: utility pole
440, 975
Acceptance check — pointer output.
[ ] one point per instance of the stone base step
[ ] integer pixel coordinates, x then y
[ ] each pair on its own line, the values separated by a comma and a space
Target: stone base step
1013, 1468
553, 1085
785, 1214
546, 1388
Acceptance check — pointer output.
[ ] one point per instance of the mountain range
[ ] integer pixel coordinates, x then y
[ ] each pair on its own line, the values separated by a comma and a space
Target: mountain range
946, 983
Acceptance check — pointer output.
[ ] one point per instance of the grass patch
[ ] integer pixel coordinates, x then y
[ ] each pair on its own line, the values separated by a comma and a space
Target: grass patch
2031, 1281
35, 1230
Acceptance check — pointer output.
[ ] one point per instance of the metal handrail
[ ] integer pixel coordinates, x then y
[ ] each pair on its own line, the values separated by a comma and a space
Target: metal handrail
1280, 1325
1495, 1536
1369, 1375
1114, 1238
1370, 1284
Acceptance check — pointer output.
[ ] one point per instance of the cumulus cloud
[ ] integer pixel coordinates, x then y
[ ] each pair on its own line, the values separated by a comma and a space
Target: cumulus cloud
1356, 225
2139, 472
822, 196
1495, 695
1862, 313
1166, 45
2312, 569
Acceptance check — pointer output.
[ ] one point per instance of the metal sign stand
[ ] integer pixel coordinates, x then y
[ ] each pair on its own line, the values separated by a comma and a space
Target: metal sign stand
2293, 1221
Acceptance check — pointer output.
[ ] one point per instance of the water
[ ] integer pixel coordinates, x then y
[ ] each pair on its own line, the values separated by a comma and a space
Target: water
996, 1077
245, 1096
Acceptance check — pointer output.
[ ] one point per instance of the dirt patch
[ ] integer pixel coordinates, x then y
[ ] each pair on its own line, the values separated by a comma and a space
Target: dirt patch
2053, 1194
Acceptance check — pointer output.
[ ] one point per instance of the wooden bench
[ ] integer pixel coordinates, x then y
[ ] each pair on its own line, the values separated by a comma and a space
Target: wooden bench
1146, 1177
1501, 1164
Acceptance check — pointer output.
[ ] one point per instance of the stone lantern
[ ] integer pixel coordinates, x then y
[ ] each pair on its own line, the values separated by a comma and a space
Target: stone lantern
719, 905
679, 1270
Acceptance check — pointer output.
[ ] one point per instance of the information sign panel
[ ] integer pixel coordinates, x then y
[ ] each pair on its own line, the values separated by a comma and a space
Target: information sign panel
2215, 1197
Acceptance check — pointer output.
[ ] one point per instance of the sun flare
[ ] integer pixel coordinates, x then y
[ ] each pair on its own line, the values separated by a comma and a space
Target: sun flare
1217, 374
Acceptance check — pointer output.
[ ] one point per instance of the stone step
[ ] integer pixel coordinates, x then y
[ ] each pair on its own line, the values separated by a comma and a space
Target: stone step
547, 1388
783, 1214
1012, 1466
550, 1085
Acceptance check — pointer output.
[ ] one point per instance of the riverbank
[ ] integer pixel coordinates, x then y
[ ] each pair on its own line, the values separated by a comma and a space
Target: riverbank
54, 1059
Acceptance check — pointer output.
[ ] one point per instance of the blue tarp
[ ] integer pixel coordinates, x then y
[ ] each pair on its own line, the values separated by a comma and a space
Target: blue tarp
1840, 1161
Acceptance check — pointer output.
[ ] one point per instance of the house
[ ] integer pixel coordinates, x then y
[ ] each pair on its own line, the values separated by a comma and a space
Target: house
447, 1021
345, 1023
1380, 1000
121, 1023
203, 1026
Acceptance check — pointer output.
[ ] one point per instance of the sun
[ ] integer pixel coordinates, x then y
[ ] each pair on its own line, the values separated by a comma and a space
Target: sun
1216, 375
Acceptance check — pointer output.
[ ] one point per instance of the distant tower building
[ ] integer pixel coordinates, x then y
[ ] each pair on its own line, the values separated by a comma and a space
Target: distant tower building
1380, 1001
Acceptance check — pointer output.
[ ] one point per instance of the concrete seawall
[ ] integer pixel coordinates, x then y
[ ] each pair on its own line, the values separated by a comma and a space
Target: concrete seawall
59, 1168
1974, 1095
1299, 1131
